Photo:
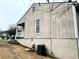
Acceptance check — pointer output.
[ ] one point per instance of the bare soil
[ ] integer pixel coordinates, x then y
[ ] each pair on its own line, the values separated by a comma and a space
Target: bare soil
13, 51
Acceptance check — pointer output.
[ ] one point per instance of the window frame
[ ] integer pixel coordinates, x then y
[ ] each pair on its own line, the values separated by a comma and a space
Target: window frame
36, 25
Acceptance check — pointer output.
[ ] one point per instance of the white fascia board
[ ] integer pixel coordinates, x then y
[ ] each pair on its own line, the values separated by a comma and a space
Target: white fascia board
75, 21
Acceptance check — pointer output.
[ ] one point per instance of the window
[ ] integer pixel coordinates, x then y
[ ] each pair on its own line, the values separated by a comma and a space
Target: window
37, 25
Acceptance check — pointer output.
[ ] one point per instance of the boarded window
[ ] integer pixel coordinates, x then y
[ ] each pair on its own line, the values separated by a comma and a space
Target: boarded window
38, 26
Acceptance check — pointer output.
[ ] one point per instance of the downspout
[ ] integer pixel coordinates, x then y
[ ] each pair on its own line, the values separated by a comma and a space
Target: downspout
50, 28
50, 32
75, 25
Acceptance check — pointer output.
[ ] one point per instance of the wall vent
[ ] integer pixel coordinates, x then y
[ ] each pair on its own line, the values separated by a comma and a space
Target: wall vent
33, 9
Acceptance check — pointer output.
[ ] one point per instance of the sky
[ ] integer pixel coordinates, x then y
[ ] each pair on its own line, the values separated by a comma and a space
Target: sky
12, 10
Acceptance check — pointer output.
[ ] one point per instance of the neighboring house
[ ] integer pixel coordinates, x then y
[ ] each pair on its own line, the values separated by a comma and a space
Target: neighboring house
52, 24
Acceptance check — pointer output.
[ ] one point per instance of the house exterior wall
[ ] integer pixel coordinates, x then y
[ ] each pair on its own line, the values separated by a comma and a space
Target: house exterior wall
57, 30
61, 48
44, 24
60, 25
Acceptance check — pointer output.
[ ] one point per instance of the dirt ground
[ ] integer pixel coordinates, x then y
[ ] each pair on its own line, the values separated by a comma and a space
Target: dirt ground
12, 51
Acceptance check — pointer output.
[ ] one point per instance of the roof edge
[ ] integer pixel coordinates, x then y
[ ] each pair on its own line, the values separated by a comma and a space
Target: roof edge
25, 12
40, 3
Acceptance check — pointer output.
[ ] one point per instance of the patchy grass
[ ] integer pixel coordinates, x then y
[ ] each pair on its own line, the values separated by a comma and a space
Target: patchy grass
2, 41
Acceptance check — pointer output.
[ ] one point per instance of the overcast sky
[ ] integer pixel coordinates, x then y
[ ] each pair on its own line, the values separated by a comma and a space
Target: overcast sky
12, 10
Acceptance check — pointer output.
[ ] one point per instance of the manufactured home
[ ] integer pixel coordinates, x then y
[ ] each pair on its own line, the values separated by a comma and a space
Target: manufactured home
54, 25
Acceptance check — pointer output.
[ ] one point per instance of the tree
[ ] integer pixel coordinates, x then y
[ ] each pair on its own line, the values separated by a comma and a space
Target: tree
3, 34
12, 31
0, 32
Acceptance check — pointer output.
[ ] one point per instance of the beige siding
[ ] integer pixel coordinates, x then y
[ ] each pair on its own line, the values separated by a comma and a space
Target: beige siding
61, 22
44, 24
62, 25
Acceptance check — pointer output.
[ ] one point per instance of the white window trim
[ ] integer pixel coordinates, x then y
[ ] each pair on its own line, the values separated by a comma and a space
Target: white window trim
35, 24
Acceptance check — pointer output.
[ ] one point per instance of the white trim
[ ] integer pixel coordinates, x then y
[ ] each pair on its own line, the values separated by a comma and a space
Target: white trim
35, 24
75, 21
